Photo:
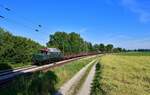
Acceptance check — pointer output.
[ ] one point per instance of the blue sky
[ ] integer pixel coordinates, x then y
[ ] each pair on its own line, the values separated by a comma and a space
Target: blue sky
124, 23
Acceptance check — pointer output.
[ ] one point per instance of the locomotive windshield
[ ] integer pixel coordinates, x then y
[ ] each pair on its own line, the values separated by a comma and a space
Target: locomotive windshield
44, 51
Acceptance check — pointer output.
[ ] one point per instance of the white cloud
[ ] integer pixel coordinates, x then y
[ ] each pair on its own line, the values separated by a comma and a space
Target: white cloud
142, 8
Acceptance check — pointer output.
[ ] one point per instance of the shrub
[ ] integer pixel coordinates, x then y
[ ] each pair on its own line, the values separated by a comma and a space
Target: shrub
38, 83
96, 86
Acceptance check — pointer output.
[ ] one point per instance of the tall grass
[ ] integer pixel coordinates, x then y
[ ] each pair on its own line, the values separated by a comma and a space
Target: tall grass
126, 75
38, 83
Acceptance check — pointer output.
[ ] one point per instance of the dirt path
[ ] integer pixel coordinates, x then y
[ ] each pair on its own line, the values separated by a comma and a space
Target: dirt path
66, 89
86, 87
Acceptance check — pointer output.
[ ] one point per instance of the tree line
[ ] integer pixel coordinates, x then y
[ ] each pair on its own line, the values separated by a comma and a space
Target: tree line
17, 49
139, 50
71, 43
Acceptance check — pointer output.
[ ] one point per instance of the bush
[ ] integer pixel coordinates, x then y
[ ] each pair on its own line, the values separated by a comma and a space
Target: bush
4, 66
16, 49
96, 86
39, 83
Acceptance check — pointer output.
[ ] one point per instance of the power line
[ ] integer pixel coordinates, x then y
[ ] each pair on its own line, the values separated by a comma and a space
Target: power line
2, 17
9, 10
18, 23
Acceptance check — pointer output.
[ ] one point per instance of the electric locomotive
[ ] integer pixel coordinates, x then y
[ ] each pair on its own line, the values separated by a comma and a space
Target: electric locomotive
47, 55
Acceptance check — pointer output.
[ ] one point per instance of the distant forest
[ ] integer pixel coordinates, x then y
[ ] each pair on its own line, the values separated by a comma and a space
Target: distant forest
17, 49
139, 50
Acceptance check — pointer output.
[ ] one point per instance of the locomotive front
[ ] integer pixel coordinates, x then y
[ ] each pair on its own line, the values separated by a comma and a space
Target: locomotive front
47, 55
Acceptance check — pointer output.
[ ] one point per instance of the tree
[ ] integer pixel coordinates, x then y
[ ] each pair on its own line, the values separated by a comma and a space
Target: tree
109, 48
102, 47
16, 49
69, 43
118, 49
90, 47
77, 43
96, 47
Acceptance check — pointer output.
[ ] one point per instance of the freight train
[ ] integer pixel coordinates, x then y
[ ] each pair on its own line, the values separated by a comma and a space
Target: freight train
49, 55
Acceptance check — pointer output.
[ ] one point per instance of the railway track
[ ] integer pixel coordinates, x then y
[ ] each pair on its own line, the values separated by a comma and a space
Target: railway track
16, 70
8, 75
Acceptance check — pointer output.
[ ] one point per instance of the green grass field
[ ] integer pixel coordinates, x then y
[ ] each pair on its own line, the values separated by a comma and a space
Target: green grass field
126, 74
134, 53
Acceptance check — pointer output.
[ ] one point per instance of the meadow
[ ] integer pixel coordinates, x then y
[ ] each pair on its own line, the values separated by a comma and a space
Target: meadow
134, 53
125, 74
